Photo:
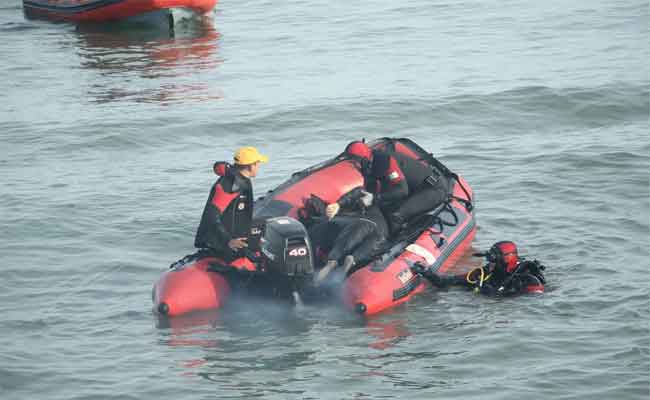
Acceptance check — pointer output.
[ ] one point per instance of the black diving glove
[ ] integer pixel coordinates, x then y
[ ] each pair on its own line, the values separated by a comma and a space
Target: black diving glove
435, 279
488, 290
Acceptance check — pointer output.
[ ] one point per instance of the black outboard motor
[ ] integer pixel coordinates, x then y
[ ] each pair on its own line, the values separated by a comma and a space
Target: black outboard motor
286, 254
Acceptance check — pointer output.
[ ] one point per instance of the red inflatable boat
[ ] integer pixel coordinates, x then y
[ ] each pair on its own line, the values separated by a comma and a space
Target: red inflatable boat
434, 241
109, 10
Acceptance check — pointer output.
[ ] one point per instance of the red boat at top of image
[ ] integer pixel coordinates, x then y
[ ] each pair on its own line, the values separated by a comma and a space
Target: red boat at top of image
109, 10
283, 259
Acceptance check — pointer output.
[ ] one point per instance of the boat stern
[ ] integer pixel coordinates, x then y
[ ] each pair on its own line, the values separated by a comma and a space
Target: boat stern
189, 287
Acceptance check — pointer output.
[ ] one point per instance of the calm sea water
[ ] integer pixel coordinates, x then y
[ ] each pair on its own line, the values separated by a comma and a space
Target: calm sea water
107, 141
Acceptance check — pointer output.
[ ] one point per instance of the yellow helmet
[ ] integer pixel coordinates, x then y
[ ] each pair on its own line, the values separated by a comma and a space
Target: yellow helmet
249, 155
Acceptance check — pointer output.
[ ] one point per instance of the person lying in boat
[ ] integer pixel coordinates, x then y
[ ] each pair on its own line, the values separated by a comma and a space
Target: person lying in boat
348, 236
504, 274
403, 187
227, 216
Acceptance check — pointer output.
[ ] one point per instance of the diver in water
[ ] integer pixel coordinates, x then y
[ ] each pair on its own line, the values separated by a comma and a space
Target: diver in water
226, 220
348, 236
403, 187
504, 274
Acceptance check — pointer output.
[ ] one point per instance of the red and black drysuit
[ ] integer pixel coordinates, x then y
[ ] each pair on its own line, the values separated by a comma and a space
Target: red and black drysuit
227, 214
405, 187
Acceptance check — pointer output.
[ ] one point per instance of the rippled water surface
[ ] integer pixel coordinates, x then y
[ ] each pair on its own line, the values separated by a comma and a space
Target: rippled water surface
107, 141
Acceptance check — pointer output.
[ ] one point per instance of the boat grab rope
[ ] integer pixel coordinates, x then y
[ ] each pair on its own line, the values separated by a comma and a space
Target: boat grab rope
191, 258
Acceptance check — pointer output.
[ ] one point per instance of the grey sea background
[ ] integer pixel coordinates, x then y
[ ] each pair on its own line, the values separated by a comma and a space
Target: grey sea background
107, 138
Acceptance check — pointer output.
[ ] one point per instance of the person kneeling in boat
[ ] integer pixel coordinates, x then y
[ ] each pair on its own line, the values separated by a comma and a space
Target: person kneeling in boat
504, 274
403, 187
351, 235
227, 216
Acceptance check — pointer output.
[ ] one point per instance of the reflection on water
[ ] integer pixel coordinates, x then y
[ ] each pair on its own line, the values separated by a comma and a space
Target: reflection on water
254, 321
387, 333
151, 65
247, 336
185, 328
243, 347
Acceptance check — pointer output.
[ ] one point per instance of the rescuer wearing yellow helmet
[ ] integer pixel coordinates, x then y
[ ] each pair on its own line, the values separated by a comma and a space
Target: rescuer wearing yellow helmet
226, 220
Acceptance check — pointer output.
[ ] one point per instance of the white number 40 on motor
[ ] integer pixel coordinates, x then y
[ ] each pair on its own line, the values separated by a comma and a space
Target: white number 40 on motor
298, 252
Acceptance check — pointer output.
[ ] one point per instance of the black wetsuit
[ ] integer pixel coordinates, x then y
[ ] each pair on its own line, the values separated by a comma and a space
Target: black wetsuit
405, 186
527, 278
227, 214
355, 230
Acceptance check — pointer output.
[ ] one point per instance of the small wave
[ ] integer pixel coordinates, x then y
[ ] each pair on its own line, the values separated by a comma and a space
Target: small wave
10, 27
103, 136
12, 380
524, 108
575, 106
32, 325
106, 396
579, 161
623, 157
130, 315
11, 7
